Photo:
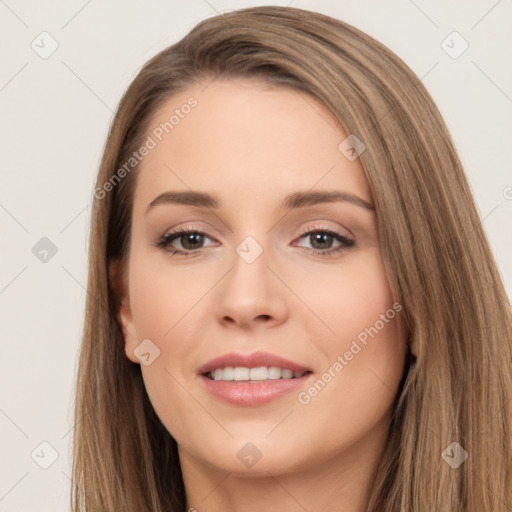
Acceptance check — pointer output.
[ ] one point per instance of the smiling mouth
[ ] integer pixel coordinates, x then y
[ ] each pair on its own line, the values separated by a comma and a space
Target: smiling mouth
253, 375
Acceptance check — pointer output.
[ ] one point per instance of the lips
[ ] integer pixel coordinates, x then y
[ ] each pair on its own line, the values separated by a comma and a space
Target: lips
247, 391
254, 360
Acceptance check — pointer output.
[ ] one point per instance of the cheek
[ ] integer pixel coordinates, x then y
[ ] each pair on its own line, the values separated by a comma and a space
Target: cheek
363, 354
349, 299
165, 303
359, 385
162, 298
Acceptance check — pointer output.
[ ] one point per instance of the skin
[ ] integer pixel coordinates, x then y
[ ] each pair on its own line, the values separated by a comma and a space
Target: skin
250, 144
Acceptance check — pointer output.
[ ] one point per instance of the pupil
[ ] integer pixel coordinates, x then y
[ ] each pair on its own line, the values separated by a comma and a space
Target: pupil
321, 237
194, 237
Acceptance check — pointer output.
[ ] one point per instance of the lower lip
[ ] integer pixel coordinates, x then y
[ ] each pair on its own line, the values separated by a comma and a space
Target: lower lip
252, 393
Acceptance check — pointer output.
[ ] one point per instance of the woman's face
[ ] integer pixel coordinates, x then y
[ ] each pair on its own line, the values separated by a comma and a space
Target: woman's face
269, 276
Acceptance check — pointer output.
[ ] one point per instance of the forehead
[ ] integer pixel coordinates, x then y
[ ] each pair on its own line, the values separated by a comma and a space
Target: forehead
248, 141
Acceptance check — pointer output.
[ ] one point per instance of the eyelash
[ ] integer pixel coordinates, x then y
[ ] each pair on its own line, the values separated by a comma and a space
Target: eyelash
165, 240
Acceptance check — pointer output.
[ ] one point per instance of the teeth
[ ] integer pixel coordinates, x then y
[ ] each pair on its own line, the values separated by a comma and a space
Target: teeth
260, 373
239, 373
274, 372
286, 374
242, 373
228, 373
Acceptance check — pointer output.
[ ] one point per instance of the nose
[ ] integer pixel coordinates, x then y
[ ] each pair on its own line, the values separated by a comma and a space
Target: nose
251, 295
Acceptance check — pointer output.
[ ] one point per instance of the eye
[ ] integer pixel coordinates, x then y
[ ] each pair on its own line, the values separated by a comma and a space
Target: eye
189, 238
322, 241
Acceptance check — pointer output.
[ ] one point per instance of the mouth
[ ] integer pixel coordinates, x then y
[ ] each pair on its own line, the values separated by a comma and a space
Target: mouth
253, 379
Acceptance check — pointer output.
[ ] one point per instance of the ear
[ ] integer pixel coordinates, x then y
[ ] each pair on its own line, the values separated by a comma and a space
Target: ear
119, 282
413, 347
412, 344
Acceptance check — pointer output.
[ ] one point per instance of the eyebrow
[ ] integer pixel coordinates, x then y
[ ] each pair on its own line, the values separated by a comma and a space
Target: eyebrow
292, 201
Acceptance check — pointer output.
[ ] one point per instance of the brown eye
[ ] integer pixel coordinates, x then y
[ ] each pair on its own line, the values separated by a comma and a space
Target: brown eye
188, 241
321, 241
191, 241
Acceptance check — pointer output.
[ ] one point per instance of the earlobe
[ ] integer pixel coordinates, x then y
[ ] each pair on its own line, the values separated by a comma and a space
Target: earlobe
119, 283
412, 344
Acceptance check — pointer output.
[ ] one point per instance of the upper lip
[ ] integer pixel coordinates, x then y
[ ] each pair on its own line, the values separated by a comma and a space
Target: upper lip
253, 360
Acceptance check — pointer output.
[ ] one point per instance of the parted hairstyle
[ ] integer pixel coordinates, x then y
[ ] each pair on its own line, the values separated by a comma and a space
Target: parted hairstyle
458, 387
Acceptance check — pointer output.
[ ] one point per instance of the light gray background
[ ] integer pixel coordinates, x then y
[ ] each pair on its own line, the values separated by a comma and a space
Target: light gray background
55, 113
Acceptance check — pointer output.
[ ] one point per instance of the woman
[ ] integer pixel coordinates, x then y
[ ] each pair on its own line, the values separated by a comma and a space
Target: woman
230, 359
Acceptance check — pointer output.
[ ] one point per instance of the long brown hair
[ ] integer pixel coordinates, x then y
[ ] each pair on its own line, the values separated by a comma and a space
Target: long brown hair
438, 262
